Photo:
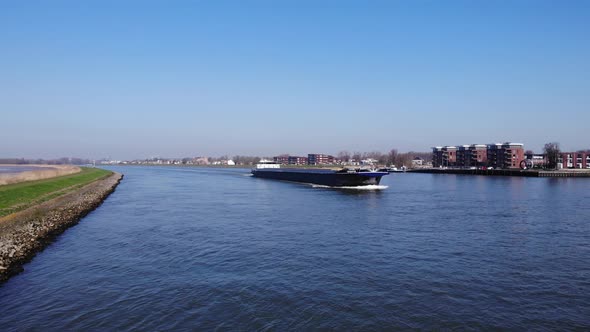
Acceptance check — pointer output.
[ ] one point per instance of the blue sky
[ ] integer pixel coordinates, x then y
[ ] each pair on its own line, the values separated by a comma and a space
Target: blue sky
134, 79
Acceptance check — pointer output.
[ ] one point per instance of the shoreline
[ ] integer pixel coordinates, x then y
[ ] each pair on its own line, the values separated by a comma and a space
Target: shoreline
24, 233
506, 172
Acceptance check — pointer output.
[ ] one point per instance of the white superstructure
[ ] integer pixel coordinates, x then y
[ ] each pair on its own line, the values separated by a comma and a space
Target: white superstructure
267, 164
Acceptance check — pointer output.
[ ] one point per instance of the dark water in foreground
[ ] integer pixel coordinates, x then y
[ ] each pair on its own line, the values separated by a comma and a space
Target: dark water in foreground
179, 248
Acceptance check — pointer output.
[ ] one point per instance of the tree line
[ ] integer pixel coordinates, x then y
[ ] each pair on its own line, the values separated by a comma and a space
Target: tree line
58, 161
393, 157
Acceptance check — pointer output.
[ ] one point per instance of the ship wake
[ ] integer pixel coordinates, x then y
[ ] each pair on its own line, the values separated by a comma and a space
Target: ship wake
367, 187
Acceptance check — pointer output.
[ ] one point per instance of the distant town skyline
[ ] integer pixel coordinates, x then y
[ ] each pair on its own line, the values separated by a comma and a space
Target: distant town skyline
139, 79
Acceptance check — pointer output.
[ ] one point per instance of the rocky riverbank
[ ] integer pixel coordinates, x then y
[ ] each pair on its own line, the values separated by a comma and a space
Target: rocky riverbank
25, 233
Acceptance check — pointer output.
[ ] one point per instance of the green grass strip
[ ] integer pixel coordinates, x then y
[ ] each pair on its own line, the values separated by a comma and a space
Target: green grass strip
19, 196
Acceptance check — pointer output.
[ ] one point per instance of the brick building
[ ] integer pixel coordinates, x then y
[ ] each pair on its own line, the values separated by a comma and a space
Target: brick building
504, 156
286, 159
494, 152
580, 159
474, 155
293, 160
444, 156
282, 159
319, 159
437, 156
511, 155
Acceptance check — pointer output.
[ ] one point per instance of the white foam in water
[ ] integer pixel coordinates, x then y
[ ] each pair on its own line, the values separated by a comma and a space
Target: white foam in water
367, 187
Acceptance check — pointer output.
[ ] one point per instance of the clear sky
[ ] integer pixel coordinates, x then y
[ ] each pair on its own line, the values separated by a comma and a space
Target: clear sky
134, 79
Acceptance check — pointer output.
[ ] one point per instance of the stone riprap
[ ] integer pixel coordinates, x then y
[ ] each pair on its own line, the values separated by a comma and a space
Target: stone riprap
25, 233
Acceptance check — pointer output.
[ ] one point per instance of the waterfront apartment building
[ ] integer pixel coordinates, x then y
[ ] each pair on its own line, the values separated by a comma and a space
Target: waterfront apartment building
474, 155
444, 156
506, 155
319, 159
437, 156
580, 159
499, 155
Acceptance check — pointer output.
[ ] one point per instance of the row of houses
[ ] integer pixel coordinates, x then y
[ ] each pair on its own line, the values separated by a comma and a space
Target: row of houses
580, 159
165, 161
499, 155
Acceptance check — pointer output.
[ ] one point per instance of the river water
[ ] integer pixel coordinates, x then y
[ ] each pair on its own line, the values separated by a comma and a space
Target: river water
197, 248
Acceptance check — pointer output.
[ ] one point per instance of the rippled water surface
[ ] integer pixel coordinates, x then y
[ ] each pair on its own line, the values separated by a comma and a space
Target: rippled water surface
180, 248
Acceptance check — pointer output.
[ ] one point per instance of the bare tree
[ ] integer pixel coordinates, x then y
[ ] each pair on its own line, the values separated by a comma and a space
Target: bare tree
374, 155
246, 160
552, 152
344, 156
392, 156
357, 156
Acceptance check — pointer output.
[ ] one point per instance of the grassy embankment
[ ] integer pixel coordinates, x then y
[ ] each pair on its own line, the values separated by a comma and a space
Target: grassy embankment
19, 196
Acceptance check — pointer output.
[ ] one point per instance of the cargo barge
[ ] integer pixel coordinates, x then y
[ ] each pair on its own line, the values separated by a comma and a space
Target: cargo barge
326, 177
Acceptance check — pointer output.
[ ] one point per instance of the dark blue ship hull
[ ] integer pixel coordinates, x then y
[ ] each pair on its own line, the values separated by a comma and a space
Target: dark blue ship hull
323, 177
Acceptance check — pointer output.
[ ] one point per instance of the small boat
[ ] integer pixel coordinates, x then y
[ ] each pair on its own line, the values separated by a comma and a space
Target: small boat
344, 177
398, 170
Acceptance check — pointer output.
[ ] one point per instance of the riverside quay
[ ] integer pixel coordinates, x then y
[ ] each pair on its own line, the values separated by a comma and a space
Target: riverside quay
497, 155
